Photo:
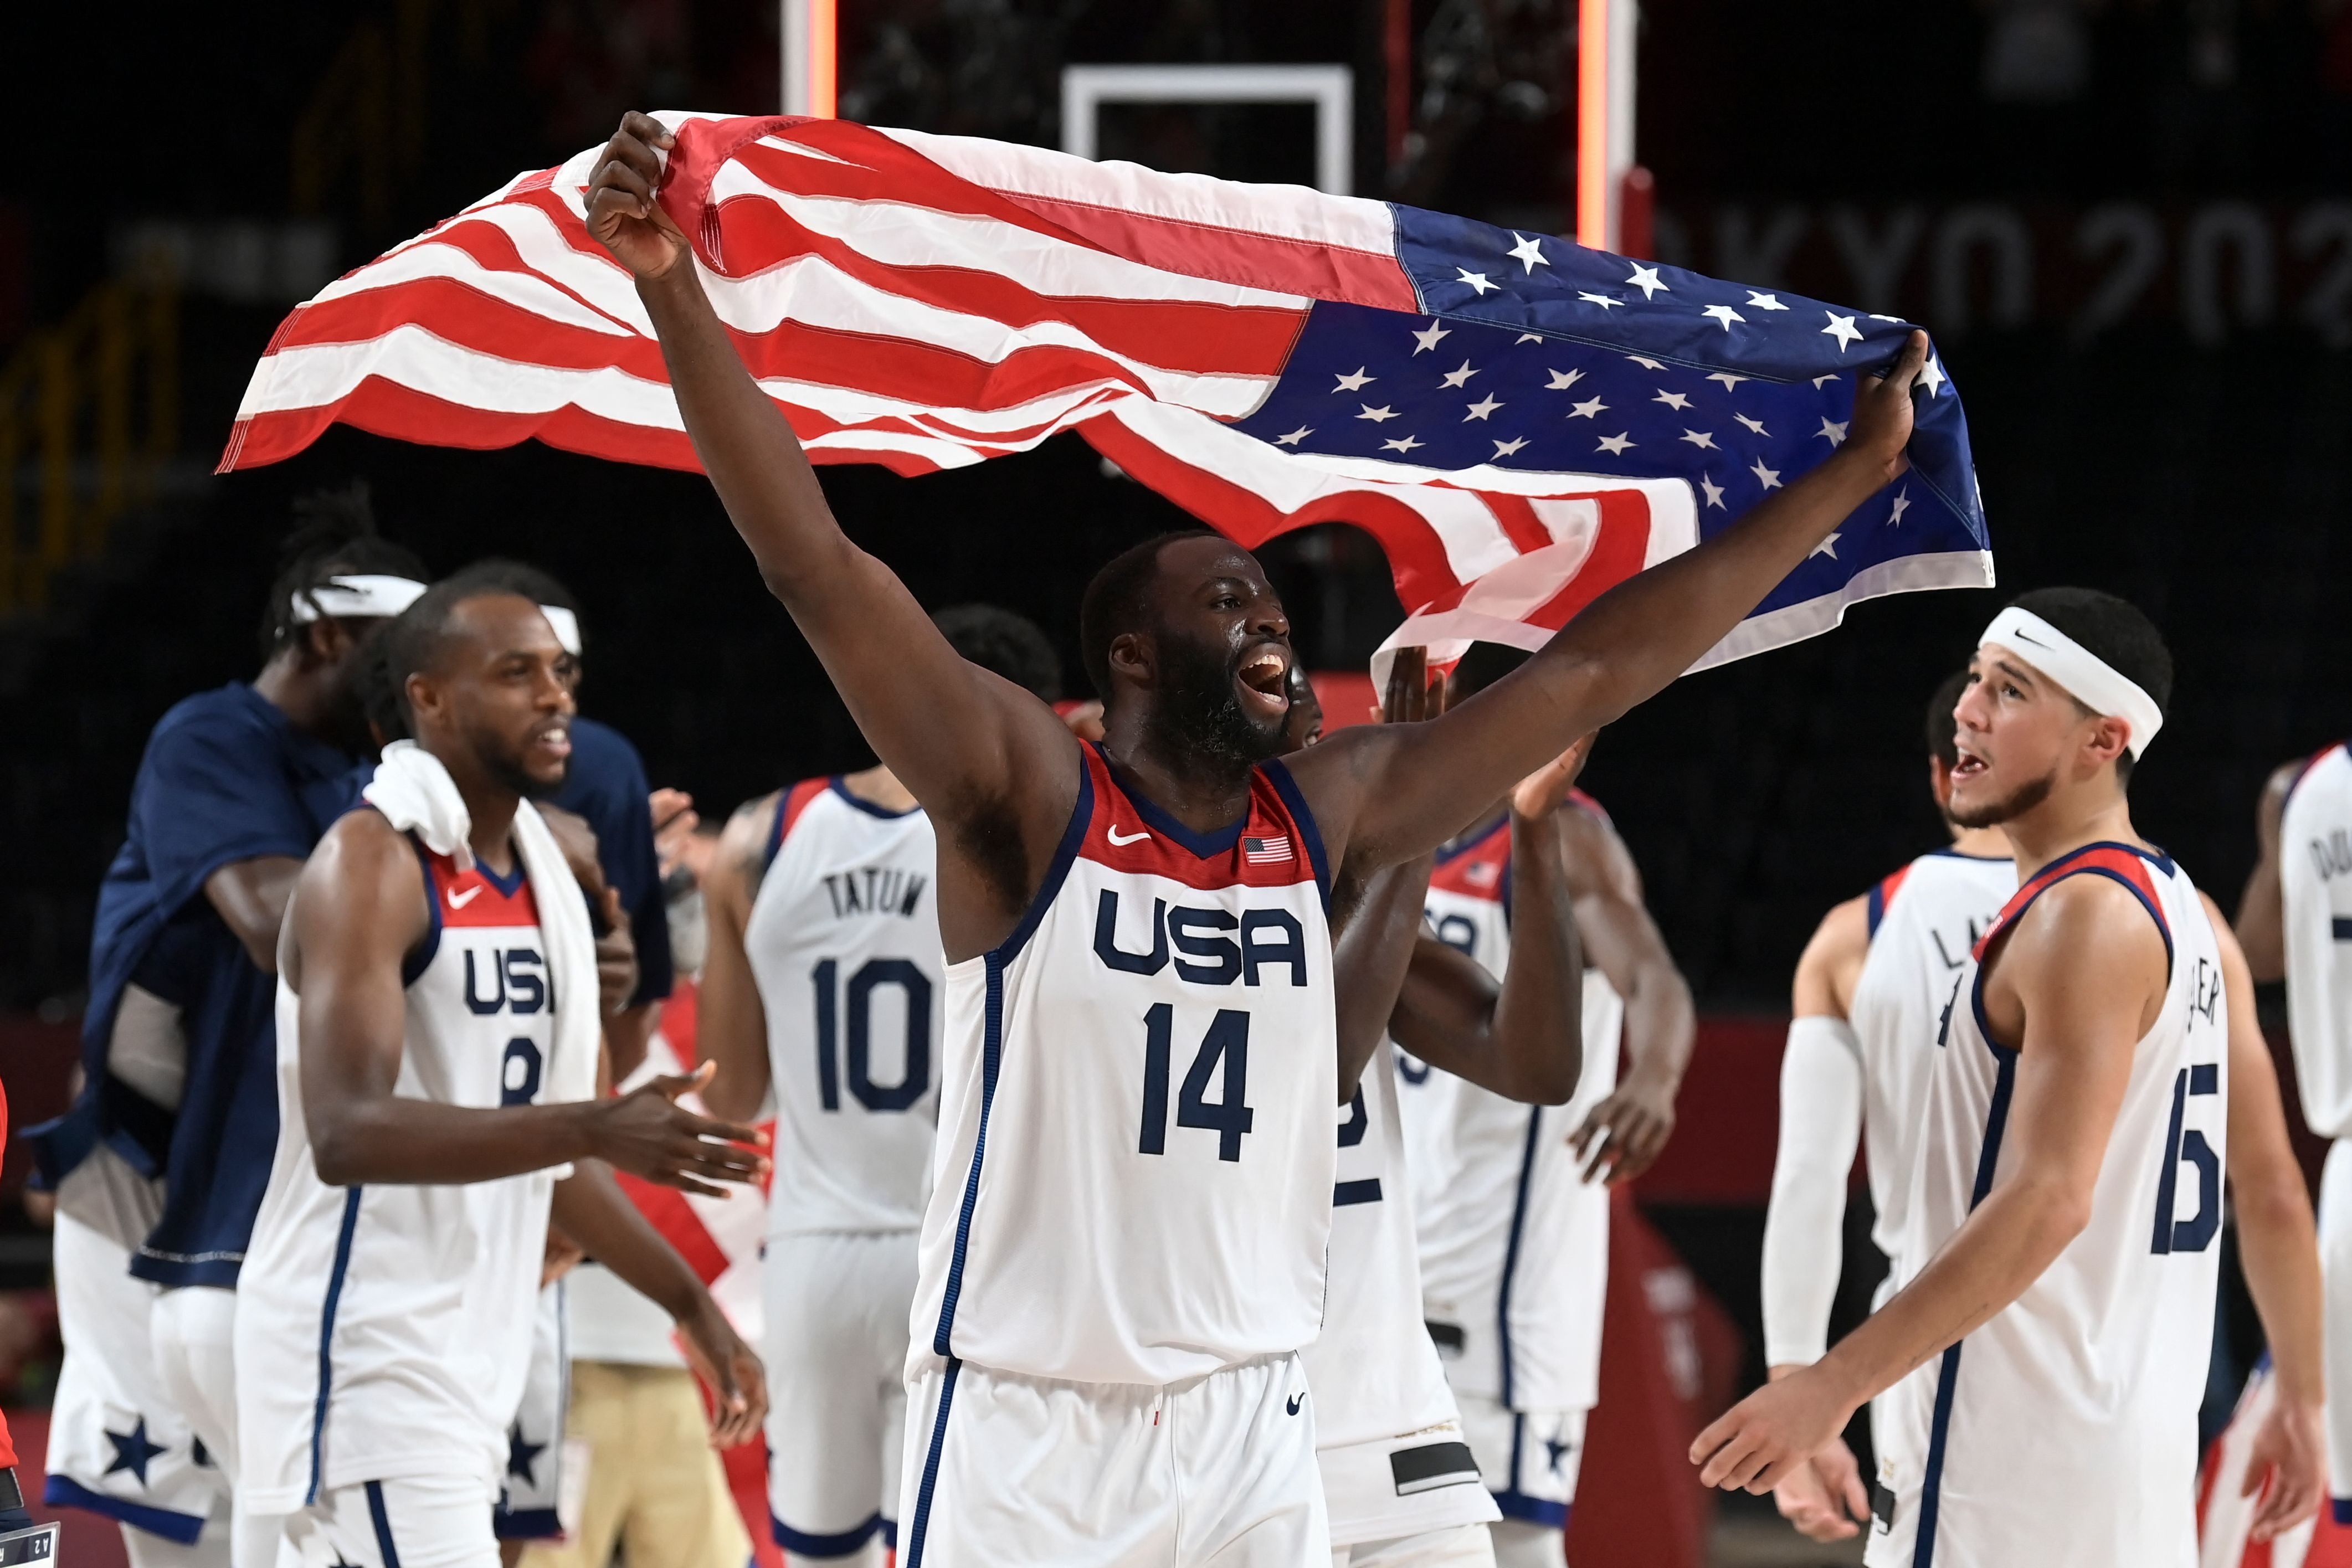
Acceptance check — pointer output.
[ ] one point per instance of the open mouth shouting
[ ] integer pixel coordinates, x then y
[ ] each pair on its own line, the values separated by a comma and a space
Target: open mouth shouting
1262, 678
1970, 766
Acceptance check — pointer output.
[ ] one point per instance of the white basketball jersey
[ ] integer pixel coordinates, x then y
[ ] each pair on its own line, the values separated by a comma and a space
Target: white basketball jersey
1138, 1095
843, 941
1374, 1370
2065, 1430
386, 1330
2316, 877
1924, 922
1513, 1242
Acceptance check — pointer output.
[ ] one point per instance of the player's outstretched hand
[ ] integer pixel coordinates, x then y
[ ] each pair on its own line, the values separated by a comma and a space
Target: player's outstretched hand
737, 1383
647, 1133
1753, 1445
1623, 1135
2289, 1455
621, 211
1545, 791
1824, 1497
1881, 408
1412, 696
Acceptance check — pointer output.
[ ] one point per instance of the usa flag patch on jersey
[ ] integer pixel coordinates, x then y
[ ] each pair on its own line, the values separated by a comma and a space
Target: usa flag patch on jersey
1265, 852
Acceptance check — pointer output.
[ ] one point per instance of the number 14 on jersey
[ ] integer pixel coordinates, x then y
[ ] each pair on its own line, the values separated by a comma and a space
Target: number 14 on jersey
1225, 1046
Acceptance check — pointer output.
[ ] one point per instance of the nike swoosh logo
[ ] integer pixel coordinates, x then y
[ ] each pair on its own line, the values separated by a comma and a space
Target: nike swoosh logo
1135, 838
459, 900
1294, 1403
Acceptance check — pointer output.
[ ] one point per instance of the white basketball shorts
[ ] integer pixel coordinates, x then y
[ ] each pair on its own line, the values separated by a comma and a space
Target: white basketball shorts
2336, 1275
533, 1483
1528, 1458
836, 1323
1392, 1488
417, 1522
117, 1445
1461, 1546
1215, 1472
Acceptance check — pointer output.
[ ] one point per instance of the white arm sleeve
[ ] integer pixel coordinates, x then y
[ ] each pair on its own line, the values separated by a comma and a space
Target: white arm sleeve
1820, 1125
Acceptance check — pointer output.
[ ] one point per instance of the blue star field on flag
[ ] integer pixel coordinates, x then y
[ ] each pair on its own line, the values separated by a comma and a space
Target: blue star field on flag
1537, 354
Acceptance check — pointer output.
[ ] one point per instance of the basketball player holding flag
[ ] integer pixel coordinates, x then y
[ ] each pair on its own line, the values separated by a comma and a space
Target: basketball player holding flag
1124, 1252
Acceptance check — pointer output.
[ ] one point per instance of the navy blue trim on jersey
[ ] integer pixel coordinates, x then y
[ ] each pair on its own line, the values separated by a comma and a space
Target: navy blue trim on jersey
508, 884
839, 785
775, 833
1065, 854
1876, 909
890, 1534
1923, 1550
63, 1491
1537, 1510
376, 1516
327, 1336
420, 958
1278, 774
801, 1543
2301, 773
525, 1525
2163, 863
1511, 1261
1201, 846
1344, 1193
2341, 1506
2341, 929
1446, 856
920, 1526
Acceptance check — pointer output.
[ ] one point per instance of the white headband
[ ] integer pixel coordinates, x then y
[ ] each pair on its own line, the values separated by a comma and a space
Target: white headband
566, 626
2090, 679
359, 595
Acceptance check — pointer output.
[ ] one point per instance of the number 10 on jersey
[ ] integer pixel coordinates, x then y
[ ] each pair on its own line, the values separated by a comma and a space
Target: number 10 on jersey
1226, 1044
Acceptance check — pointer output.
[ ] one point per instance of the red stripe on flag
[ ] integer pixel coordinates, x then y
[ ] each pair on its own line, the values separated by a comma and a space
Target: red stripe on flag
670, 1213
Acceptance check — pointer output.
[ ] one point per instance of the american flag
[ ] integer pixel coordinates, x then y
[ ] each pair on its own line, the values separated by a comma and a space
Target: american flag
1265, 852
1521, 422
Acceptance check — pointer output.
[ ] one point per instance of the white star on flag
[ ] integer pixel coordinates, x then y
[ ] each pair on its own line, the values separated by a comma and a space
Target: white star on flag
1645, 279
1479, 282
1563, 379
1456, 378
1403, 443
1828, 547
1527, 252
1705, 438
1764, 301
1725, 314
1714, 492
1352, 382
1902, 504
1755, 426
1526, 337
1615, 444
1294, 438
1645, 364
1675, 400
1482, 408
1376, 415
1769, 477
1821, 381
1843, 328
1933, 374
1600, 300
1427, 339
1832, 429
1505, 448
1586, 410
1727, 379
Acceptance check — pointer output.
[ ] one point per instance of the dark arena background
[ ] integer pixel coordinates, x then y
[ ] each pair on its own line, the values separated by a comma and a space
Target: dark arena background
2130, 230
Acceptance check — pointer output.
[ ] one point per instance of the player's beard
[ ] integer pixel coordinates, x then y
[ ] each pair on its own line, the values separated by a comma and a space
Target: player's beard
505, 769
1196, 692
2019, 801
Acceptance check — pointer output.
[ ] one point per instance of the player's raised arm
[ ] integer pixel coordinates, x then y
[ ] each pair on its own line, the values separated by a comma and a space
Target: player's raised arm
990, 764
1390, 792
